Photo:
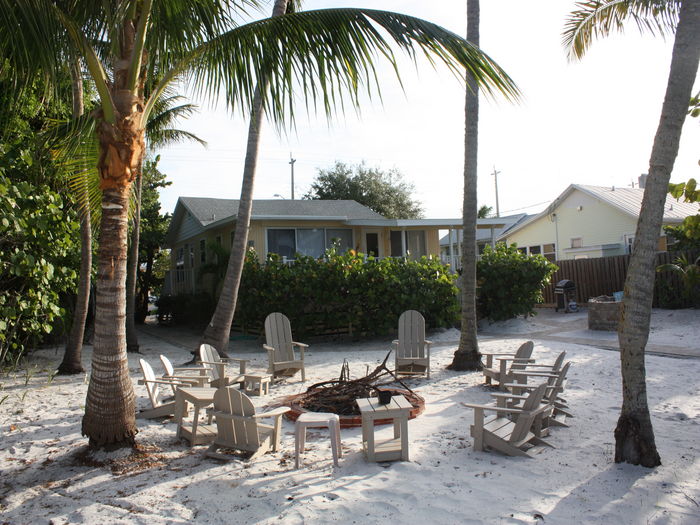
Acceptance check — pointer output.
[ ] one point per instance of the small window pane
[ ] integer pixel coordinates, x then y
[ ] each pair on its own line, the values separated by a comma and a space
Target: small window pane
396, 244
281, 242
343, 237
535, 250
311, 242
415, 243
577, 242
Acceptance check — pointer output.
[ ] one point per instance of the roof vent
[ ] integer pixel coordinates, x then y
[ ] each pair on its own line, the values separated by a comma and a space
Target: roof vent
213, 216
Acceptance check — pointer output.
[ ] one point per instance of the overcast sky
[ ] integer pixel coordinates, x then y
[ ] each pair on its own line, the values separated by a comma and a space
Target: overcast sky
587, 122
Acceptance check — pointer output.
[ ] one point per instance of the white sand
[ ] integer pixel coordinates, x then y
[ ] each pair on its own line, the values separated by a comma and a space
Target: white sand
43, 481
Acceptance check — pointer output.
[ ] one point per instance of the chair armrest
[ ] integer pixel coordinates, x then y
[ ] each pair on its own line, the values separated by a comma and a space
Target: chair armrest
192, 380
302, 345
161, 382
268, 348
497, 353
493, 408
428, 342
273, 413
518, 360
523, 372
506, 395
198, 369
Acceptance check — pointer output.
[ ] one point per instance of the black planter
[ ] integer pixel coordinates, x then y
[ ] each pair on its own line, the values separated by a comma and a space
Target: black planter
384, 397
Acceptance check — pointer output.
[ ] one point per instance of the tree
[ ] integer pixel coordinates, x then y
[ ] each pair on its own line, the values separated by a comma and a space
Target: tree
385, 192
326, 54
484, 212
634, 434
467, 356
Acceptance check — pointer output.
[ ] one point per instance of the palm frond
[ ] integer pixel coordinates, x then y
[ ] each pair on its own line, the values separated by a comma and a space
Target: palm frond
598, 18
329, 56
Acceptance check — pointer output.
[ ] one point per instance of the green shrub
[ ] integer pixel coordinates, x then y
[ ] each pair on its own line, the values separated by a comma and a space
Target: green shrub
510, 282
343, 293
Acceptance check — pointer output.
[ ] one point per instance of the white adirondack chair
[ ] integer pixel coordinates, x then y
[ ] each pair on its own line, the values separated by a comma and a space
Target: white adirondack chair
280, 348
238, 428
159, 408
507, 363
412, 350
511, 437
195, 376
216, 366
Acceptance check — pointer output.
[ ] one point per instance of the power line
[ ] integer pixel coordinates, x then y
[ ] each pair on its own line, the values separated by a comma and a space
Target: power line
526, 207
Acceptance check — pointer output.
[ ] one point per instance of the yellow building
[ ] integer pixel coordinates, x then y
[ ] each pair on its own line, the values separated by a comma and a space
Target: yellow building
590, 221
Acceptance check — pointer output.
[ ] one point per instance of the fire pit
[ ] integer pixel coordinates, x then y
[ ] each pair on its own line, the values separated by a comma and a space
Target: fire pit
338, 396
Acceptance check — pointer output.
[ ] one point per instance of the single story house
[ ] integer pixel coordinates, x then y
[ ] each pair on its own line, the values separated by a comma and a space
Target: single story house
591, 221
288, 227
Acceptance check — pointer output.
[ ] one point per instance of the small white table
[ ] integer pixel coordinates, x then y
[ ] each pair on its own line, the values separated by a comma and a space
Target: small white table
199, 397
257, 384
397, 410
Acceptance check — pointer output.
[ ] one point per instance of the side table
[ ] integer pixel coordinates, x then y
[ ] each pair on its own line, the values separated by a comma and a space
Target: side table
257, 384
397, 410
199, 398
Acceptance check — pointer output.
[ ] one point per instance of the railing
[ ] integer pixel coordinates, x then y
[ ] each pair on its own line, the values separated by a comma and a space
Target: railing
179, 281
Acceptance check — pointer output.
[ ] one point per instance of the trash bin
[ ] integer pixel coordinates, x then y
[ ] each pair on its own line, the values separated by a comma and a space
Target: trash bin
565, 290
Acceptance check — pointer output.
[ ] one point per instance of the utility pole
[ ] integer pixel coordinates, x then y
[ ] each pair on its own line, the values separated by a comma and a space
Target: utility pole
495, 180
291, 163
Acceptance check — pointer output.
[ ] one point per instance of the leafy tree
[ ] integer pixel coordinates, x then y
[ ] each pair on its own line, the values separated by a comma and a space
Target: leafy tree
634, 434
689, 271
325, 53
467, 356
484, 212
382, 191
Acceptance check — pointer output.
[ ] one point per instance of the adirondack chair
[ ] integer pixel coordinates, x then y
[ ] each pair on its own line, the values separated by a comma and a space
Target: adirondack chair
506, 436
216, 366
539, 371
159, 408
238, 428
280, 348
411, 348
195, 376
557, 411
502, 371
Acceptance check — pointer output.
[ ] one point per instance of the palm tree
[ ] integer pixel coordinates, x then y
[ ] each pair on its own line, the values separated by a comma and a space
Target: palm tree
634, 434
467, 356
324, 55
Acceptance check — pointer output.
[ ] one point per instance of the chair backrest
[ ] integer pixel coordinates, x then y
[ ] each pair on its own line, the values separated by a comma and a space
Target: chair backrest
524, 421
278, 335
558, 385
411, 335
241, 431
167, 366
149, 381
524, 352
208, 354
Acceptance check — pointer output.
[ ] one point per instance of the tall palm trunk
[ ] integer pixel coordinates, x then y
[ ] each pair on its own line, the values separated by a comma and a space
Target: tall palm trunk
132, 342
634, 434
467, 356
110, 407
74, 345
218, 330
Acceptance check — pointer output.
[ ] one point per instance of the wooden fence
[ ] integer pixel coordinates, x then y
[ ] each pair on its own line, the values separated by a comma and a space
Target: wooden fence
605, 275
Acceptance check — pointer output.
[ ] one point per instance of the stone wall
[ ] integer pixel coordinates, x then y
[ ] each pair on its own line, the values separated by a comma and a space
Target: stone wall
603, 314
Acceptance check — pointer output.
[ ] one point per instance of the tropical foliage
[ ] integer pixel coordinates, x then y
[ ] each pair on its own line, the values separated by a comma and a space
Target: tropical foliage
510, 282
385, 192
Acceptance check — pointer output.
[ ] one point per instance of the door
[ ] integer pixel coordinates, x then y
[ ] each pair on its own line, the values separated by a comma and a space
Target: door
372, 243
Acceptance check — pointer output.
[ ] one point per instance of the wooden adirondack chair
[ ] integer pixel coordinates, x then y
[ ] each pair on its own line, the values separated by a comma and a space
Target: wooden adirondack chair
280, 348
507, 363
557, 411
238, 428
550, 372
411, 348
511, 437
196, 376
216, 366
159, 408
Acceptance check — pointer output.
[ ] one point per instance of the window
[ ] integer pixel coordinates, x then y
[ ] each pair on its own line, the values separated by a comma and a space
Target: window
523, 250
396, 244
306, 241
282, 242
535, 250
629, 241
179, 265
202, 251
550, 252
218, 240
577, 242
415, 243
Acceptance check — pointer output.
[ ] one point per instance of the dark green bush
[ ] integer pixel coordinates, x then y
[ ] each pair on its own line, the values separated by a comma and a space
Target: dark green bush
510, 282
339, 294
185, 309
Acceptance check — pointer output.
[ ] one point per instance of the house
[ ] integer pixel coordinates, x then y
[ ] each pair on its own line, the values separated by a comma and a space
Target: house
288, 227
451, 243
591, 221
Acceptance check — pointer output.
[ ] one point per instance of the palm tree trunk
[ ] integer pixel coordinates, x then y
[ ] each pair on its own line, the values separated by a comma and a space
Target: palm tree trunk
467, 356
132, 342
74, 345
110, 407
634, 434
218, 330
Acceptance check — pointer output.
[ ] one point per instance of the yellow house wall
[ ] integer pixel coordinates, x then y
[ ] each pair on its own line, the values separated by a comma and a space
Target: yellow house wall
579, 215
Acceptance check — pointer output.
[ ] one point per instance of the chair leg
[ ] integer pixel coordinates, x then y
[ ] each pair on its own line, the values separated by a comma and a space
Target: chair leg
335, 440
298, 446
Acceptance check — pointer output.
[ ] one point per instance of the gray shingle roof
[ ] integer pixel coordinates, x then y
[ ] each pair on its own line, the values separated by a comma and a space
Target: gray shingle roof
207, 210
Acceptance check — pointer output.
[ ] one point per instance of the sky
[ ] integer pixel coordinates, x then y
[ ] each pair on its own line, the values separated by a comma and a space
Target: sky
586, 122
